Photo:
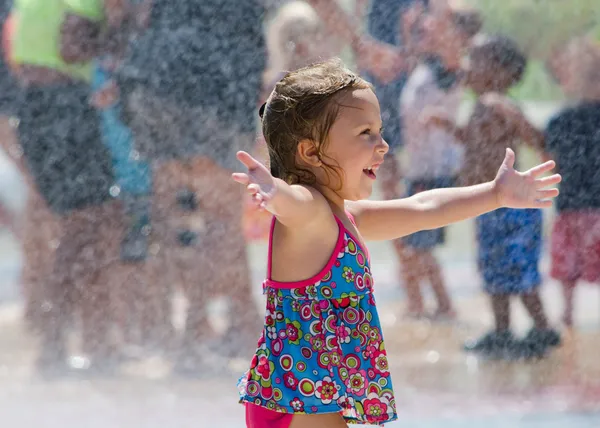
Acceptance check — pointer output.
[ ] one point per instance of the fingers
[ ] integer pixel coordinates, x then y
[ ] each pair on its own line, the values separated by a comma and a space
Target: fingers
548, 181
253, 188
539, 203
258, 198
240, 177
547, 194
542, 168
509, 159
247, 160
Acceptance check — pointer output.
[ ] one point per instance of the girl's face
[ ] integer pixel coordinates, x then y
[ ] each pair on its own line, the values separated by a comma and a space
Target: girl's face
355, 146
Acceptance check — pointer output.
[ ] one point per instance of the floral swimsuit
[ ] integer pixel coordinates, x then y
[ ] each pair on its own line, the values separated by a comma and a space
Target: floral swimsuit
322, 349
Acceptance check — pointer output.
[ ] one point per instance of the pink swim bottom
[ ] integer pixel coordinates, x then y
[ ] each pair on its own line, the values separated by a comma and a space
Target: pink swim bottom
259, 417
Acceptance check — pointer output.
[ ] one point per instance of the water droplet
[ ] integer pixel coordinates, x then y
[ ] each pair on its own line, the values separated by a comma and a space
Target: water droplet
115, 191
433, 357
16, 151
154, 249
14, 122
79, 362
472, 364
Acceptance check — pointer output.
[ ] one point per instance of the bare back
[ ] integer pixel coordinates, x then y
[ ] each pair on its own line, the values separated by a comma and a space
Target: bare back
487, 135
298, 254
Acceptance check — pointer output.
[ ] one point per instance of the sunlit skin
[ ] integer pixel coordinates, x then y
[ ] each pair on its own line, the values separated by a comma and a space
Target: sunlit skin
306, 230
355, 145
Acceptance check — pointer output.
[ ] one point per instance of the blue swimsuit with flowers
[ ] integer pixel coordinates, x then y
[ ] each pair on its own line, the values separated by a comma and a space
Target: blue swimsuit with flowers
322, 349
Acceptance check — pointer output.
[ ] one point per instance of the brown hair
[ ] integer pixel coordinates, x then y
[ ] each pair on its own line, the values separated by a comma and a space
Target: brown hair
302, 107
469, 21
503, 55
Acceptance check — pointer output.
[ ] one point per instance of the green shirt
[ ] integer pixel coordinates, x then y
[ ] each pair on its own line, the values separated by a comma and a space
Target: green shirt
37, 37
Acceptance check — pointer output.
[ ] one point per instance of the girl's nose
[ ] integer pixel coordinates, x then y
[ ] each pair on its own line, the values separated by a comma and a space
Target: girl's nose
383, 147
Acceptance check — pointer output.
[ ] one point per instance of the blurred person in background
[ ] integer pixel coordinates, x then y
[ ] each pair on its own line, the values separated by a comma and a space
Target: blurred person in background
37, 253
509, 241
416, 30
190, 86
142, 312
432, 160
189, 89
53, 45
572, 137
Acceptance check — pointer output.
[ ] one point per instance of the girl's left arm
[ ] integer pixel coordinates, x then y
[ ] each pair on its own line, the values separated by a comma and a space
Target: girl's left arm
383, 220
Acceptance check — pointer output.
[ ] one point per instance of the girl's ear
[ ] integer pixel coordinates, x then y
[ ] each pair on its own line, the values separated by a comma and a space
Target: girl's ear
308, 153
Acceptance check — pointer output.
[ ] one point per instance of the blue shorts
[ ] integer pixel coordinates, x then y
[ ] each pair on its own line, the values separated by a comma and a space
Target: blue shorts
510, 243
427, 239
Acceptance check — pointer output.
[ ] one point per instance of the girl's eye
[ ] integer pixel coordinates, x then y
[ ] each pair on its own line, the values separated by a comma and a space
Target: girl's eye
366, 132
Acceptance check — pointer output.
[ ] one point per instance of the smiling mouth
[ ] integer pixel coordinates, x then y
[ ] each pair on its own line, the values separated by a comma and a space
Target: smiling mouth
370, 173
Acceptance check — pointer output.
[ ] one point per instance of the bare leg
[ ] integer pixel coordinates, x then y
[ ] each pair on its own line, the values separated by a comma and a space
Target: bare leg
412, 268
434, 274
40, 232
501, 309
535, 308
412, 273
328, 420
222, 209
569, 294
94, 233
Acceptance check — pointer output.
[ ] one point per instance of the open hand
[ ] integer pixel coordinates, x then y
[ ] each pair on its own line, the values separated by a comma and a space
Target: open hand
258, 181
525, 189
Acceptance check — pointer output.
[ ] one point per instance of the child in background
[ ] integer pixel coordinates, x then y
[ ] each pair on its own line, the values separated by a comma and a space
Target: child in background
572, 136
432, 160
509, 240
321, 359
296, 37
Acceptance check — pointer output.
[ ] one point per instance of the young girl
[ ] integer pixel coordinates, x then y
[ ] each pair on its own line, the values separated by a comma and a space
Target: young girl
321, 359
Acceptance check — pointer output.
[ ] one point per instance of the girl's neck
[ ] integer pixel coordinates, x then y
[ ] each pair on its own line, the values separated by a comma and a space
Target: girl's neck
336, 202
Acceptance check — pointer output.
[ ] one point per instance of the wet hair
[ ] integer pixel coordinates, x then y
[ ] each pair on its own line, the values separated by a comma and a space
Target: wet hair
303, 106
504, 55
468, 21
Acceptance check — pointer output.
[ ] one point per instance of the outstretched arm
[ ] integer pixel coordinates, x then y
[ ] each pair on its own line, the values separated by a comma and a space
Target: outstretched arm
294, 206
383, 220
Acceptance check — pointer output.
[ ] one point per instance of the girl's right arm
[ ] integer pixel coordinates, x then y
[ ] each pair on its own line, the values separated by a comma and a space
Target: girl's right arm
294, 206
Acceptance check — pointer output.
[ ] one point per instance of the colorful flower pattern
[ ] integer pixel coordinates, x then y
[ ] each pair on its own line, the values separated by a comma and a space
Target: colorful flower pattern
322, 350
